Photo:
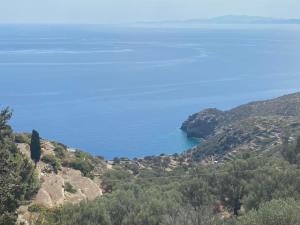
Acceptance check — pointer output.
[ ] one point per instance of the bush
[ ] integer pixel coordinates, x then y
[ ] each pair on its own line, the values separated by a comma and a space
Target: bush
53, 161
36, 208
84, 213
22, 138
275, 212
85, 167
99, 157
133, 167
116, 160
60, 152
69, 188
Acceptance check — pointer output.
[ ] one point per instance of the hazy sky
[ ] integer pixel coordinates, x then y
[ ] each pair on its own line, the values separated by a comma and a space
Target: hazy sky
116, 11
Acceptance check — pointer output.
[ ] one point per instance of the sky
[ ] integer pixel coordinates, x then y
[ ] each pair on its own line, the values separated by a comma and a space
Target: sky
126, 11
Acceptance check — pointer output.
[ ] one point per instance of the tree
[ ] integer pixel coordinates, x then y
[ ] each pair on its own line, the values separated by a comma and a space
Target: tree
17, 178
35, 147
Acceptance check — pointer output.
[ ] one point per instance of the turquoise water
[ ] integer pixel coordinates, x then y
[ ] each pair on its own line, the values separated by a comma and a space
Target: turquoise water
117, 91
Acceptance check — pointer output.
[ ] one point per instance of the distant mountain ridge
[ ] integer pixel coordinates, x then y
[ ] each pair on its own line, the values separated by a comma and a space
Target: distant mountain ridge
232, 19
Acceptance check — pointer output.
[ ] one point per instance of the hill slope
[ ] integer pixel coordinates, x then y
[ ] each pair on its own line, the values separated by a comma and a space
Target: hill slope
256, 125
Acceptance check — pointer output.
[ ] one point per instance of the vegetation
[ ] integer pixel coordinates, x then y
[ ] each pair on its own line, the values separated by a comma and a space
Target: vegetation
35, 147
246, 188
60, 152
250, 190
53, 161
279, 212
18, 181
36, 208
69, 188
257, 126
83, 162
22, 138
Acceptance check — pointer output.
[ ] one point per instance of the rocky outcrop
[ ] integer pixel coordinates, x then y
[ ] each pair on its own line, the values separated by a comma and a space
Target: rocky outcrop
53, 191
202, 124
256, 126
206, 122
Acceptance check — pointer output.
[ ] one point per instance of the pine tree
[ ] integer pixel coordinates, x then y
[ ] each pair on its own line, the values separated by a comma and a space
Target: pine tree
35, 147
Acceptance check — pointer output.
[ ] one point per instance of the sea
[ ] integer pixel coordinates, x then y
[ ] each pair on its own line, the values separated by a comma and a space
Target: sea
123, 91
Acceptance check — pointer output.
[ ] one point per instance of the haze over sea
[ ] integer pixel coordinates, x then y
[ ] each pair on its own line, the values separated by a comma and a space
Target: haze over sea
117, 91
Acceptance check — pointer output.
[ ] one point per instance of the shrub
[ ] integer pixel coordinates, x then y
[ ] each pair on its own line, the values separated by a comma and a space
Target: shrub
133, 167
84, 166
22, 138
116, 160
53, 161
279, 212
69, 188
60, 152
36, 208
82, 155
99, 157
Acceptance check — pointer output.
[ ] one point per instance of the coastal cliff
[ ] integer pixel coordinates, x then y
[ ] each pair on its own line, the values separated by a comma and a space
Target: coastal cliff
258, 126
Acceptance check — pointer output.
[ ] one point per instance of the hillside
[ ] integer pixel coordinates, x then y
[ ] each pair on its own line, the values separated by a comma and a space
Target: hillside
256, 126
70, 176
245, 169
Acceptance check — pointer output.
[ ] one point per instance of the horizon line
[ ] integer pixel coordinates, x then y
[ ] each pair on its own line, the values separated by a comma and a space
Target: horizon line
203, 19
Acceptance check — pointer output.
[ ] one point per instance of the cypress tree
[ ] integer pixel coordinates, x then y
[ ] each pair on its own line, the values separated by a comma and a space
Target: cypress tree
35, 147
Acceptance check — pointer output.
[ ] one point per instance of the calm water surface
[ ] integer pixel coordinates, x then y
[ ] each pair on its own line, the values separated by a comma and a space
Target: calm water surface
125, 91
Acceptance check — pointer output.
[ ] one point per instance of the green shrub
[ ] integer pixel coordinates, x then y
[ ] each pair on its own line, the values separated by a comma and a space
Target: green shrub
133, 167
36, 208
84, 213
84, 166
275, 212
69, 188
116, 160
60, 152
53, 161
82, 155
99, 157
22, 138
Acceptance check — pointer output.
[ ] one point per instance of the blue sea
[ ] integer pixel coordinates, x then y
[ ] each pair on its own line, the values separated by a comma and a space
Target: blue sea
124, 91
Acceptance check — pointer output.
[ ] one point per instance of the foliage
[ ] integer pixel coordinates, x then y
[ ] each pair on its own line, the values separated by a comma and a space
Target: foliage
22, 138
275, 212
85, 213
53, 161
69, 188
82, 165
35, 147
18, 181
60, 152
291, 152
252, 189
83, 162
36, 208
193, 196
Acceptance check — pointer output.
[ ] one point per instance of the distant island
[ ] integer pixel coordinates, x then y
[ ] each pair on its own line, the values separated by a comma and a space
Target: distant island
230, 19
